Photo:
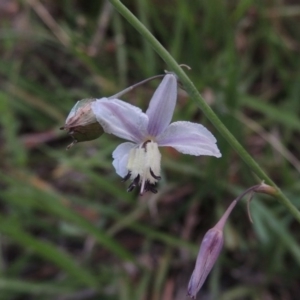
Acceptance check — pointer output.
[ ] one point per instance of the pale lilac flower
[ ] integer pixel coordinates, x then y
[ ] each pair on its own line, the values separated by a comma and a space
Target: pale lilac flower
139, 159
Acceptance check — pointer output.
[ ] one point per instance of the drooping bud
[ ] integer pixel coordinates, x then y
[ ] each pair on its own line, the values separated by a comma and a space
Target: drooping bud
210, 249
208, 254
81, 123
213, 240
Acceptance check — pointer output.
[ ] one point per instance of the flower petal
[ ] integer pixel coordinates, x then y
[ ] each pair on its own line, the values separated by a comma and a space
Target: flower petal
120, 156
189, 138
162, 105
121, 119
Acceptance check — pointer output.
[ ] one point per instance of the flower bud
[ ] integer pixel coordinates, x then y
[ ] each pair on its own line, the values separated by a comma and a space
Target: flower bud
210, 249
81, 122
213, 240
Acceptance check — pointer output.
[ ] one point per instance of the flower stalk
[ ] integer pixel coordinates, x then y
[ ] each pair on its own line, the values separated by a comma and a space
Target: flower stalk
195, 95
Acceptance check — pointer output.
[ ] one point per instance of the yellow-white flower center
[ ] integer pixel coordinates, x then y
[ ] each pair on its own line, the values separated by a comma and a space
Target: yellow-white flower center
144, 166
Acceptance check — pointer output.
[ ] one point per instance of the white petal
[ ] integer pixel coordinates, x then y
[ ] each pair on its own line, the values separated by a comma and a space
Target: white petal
120, 156
162, 105
121, 119
189, 138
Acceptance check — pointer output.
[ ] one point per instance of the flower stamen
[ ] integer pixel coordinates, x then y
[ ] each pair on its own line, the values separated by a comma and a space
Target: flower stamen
133, 184
126, 177
150, 187
145, 144
154, 176
144, 166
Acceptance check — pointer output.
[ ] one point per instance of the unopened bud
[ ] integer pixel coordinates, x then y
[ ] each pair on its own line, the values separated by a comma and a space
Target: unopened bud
81, 123
210, 249
213, 240
209, 252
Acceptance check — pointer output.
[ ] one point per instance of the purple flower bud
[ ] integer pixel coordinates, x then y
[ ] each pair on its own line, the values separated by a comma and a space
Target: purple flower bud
210, 249
213, 240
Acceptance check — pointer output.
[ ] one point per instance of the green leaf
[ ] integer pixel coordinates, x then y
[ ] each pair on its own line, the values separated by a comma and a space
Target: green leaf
49, 252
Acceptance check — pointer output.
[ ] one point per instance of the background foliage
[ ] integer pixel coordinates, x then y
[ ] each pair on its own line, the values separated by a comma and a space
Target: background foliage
68, 228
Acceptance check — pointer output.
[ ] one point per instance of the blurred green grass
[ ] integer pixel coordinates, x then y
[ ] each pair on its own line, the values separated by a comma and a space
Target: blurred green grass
69, 229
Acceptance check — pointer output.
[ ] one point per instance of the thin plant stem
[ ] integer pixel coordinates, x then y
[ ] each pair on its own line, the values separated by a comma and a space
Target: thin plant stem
195, 95
132, 87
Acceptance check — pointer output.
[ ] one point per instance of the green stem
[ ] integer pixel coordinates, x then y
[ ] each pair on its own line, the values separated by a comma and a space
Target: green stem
194, 94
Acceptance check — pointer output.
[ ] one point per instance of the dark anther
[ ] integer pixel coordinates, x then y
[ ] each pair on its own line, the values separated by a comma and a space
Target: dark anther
154, 176
126, 177
144, 145
131, 187
134, 183
153, 189
150, 187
